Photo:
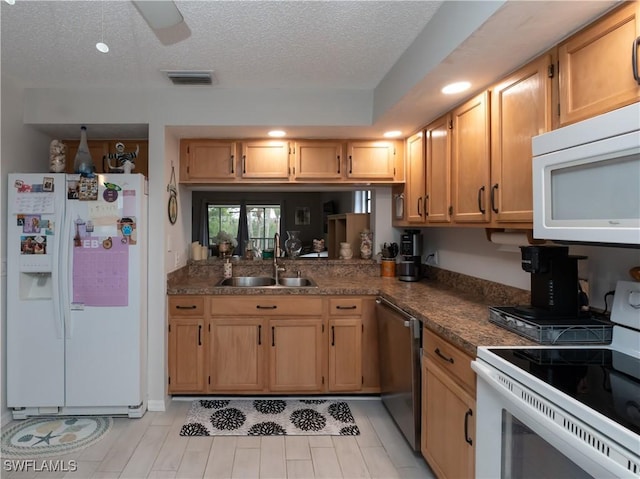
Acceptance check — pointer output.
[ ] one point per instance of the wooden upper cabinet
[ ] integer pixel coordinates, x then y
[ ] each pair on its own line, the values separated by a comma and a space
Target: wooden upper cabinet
415, 184
520, 110
101, 148
318, 160
437, 202
207, 160
471, 161
373, 160
596, 69
265, 159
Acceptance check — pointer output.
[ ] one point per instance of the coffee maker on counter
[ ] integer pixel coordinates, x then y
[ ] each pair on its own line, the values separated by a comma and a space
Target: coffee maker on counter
555, 315
410, 268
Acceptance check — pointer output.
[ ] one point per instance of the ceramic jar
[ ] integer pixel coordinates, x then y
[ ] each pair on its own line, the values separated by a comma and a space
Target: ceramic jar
345, 251
366, 244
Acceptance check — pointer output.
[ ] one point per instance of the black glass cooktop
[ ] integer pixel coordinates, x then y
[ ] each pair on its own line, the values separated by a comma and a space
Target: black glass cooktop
605, 380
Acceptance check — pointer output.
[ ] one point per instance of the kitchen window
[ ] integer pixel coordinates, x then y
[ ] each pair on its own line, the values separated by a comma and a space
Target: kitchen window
251, 222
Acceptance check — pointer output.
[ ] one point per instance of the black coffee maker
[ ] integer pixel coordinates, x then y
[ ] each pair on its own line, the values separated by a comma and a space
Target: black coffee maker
555, 291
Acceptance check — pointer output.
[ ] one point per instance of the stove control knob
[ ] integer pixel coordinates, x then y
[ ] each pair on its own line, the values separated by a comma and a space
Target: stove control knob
634, 299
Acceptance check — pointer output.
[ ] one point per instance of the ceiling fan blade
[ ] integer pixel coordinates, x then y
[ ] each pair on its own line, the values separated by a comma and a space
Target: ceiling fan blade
165, 20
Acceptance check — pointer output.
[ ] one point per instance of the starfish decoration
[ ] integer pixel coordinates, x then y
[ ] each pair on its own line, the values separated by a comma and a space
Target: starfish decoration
46, 438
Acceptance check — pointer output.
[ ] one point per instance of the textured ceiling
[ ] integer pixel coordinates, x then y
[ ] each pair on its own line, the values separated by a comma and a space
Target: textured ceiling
278, 45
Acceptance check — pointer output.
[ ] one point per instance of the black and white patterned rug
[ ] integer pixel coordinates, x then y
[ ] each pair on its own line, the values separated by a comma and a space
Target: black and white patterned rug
269, 417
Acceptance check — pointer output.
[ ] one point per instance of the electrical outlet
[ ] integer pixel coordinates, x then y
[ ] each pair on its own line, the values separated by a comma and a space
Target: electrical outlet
432, 259
435, 258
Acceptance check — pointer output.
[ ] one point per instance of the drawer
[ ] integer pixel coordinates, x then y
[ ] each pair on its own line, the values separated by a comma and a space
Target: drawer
186, 306
454, 362
265, 306
345, 306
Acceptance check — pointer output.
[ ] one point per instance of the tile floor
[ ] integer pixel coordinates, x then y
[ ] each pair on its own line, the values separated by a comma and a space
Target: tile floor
151, 447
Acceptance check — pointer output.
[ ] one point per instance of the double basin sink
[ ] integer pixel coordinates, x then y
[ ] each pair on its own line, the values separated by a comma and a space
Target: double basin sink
267, 282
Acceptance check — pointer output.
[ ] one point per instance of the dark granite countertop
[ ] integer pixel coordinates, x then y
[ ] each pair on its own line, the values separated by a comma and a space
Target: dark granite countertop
460, 317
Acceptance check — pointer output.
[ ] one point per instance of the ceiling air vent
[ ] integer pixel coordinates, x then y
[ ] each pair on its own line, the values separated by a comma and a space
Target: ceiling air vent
191, 77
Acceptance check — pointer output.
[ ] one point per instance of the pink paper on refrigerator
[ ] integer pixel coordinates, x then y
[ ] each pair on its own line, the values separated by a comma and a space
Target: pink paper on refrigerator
100, 275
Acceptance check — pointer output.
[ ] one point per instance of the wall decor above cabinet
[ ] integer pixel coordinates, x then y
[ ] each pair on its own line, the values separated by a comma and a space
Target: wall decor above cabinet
212, 161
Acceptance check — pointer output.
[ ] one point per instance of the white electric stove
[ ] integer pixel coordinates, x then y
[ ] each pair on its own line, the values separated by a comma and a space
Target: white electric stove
563, 411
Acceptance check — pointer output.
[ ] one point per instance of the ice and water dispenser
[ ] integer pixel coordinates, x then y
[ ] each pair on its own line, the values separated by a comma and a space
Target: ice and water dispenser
36, 281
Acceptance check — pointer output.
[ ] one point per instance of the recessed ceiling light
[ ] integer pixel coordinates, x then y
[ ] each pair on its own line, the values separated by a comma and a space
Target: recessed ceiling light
102, 47
11, 2
456, 87
392, 134
277, 133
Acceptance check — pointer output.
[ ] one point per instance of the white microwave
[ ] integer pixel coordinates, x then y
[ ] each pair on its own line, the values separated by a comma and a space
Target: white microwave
586, 180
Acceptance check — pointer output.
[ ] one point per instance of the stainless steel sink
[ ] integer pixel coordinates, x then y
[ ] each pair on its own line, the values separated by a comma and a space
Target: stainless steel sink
248, 281
297, 282
267, 282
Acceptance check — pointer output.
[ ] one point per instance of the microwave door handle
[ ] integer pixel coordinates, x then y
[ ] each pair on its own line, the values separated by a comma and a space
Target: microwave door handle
634, 59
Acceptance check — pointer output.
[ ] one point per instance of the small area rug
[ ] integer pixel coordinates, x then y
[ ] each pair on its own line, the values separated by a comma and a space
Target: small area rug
269, 417
48, 437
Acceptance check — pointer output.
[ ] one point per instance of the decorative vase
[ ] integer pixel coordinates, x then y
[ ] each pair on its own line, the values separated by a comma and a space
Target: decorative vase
83, 163
345, 251
57, 156
225, 248
366, 241
292, 244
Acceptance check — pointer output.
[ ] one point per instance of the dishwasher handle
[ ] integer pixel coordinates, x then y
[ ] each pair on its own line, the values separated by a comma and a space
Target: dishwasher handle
409, 321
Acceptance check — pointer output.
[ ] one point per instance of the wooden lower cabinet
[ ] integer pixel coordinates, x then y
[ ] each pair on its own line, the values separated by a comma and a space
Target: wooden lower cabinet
272, 344
345, 354
186, 355
448, 409
236, 355
295, 355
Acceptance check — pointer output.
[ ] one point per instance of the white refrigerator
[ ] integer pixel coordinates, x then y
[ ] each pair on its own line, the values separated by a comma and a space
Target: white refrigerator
76, 294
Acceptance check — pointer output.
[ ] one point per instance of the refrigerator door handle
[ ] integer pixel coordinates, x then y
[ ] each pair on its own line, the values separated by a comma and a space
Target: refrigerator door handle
65, 267
58, 304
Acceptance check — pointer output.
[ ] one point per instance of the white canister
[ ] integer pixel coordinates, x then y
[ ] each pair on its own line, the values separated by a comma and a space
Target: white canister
345, 251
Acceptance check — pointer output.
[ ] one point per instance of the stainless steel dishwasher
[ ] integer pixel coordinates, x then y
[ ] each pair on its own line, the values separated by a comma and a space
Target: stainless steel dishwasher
399, 342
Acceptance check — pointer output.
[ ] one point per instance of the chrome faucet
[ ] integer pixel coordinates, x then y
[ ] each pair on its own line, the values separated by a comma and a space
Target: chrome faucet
276, 253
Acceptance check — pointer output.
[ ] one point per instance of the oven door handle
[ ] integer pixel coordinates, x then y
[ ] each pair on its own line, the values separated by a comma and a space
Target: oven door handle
582, 452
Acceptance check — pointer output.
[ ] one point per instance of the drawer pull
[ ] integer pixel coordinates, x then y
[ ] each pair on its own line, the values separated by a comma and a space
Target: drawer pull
449, 360
193, 306
346, 307
273, 306
466, 427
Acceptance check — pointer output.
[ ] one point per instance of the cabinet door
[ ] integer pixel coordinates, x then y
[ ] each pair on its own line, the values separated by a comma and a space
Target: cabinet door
318, 160
371, 160
236, 354
186, 355
448, 424
295, 358
265, 159
471, 161
207, 160
596, 69
345, 354
101, 148
438, 170
415, 184
520, 109
97, 149
370, 364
